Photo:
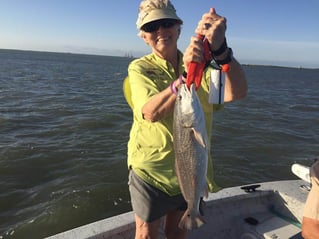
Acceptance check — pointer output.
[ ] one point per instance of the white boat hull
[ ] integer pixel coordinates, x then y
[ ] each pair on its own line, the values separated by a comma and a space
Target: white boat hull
274, 210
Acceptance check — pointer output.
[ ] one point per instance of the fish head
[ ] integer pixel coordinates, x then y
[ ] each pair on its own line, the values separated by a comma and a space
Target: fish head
188, 102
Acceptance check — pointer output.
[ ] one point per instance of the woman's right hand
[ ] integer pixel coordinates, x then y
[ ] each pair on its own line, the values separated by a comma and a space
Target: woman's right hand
194, 52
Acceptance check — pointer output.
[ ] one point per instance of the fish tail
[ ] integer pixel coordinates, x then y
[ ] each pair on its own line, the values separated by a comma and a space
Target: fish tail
191, 220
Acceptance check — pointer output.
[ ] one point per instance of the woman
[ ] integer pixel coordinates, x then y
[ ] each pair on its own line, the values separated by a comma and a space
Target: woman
150, 89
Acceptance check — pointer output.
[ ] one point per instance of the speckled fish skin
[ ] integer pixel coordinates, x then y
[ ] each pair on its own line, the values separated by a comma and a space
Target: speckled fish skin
191, 154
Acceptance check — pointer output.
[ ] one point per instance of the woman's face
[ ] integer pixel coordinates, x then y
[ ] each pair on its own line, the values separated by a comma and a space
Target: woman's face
162, 38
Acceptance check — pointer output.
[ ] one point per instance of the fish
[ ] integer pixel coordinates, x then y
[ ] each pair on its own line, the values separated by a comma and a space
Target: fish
191, 154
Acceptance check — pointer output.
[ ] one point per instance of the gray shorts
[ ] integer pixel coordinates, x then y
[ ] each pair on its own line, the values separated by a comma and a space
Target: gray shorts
150, 203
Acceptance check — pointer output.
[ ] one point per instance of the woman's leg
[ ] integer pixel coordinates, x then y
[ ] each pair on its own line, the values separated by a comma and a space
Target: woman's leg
172, 231
146, 230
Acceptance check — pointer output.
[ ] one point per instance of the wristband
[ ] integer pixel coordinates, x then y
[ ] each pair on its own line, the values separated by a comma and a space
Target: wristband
221, 49
173, 88
227, 59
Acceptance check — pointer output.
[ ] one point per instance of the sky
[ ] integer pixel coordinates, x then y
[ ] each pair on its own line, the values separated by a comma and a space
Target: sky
270, 32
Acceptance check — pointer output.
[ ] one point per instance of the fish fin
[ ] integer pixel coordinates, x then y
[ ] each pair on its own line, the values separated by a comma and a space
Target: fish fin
191, 220
199, 138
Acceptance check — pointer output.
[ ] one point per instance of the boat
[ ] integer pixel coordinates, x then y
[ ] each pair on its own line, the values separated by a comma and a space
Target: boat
271, 210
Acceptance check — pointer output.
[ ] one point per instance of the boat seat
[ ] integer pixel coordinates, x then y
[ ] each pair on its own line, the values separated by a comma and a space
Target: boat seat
276, 227
272, 228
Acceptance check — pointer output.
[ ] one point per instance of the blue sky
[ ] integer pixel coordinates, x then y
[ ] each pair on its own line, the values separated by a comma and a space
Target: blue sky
277, 32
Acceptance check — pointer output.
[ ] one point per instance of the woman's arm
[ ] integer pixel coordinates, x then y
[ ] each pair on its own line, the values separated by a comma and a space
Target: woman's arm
213, 27
235, 82
161, 104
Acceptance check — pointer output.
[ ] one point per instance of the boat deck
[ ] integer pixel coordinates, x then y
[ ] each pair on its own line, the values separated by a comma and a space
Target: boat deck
274, 210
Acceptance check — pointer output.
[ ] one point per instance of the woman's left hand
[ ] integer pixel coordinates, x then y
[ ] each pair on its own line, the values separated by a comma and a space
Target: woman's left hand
213, 27
194, 52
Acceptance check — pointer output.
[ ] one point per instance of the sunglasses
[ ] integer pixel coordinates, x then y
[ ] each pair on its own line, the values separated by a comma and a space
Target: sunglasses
155, 25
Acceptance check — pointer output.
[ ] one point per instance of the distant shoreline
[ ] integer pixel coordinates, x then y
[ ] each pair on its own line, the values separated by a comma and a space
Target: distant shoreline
132, 57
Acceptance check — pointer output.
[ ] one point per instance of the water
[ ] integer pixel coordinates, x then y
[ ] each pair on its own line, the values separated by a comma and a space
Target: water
64, 128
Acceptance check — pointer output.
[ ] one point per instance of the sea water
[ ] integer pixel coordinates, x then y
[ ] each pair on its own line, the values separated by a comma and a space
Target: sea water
64, 126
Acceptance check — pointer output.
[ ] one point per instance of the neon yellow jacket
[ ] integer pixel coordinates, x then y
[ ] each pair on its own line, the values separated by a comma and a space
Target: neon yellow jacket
150, 147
